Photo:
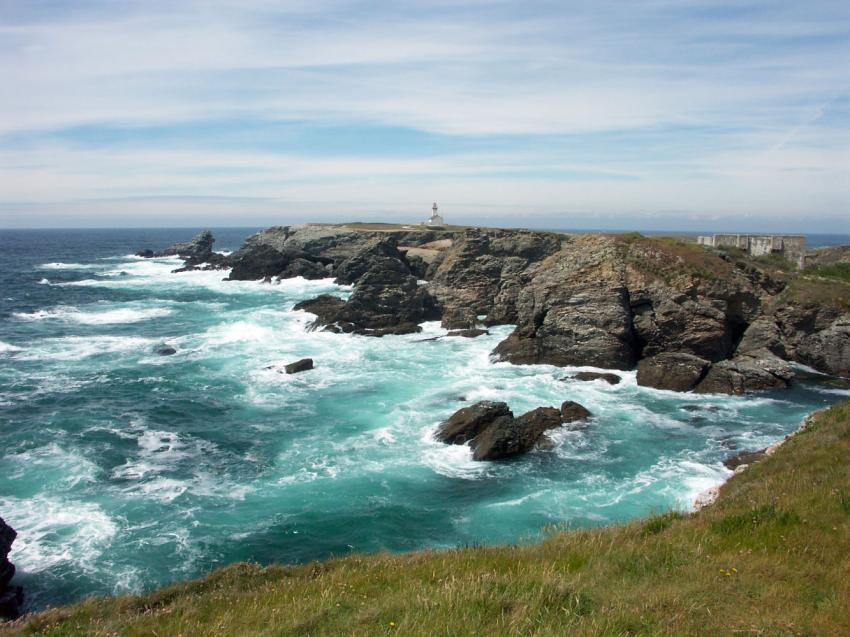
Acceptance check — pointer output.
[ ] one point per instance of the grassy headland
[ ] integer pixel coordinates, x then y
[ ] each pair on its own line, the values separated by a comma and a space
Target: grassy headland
770, 557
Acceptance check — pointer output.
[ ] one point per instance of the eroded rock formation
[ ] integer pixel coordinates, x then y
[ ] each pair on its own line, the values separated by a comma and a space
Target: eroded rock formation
493, 433
687, 317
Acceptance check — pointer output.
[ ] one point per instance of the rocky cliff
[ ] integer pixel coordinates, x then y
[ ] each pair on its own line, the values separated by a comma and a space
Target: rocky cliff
688, 317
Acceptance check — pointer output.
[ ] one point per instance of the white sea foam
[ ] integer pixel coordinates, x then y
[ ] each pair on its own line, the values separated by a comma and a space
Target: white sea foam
52, 531
44, 281
8, 348
453, 461
92, 317
832, 390
68, 266
72, 348
52, 465
162, 453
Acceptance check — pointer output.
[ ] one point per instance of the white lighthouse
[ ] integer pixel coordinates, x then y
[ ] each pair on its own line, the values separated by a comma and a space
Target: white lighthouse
436, 219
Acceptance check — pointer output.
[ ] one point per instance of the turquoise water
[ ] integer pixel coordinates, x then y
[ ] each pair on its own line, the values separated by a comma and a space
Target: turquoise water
123, 470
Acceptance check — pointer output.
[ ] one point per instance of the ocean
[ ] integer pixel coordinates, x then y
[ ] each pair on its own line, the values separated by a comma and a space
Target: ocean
123, 470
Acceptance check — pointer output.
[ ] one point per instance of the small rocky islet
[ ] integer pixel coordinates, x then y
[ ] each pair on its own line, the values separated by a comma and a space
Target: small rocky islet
686, 317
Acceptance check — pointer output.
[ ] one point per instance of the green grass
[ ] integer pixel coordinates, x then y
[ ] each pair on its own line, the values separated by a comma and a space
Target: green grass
775, 262
837, 271
771, 557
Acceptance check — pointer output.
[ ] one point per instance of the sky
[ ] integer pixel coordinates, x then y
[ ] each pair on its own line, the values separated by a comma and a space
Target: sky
630, 114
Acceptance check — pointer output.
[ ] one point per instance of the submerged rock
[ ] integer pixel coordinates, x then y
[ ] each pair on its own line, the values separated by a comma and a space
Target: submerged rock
470, 333
608, 377
299, 366
675, 371
572, 411
165, 350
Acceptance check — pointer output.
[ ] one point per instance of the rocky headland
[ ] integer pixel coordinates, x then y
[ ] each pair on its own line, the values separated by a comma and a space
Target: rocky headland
687, 317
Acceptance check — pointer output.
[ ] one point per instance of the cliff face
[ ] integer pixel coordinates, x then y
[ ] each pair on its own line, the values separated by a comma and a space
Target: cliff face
692, 318
11, 597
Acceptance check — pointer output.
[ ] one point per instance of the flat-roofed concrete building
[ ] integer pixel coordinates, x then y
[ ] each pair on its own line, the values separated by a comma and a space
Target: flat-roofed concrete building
790, 246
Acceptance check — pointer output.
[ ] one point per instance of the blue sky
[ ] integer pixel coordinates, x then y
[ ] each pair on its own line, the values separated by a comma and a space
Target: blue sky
640, 114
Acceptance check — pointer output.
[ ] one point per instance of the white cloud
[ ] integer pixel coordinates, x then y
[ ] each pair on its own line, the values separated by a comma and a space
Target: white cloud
768, 82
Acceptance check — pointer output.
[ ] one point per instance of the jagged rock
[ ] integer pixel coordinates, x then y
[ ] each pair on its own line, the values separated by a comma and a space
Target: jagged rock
675, 371
574, 310
257, 263
828, 350
386, 300
492, 431
763, 333
165, 350
299, 366
418, 265
325, 306
672, 322
611, 379
470, 333
468, 422
507, 437
753, 371
304, 268
11, 597
572, 411
378, 256
482, 273
197, 250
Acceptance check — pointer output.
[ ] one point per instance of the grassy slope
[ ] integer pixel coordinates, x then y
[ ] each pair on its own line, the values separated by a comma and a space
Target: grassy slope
771, 557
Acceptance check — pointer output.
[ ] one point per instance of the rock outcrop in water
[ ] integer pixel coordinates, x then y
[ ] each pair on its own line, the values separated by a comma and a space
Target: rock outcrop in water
493, 433
197, 250
11, 597
387, 297
687, 317
303, 365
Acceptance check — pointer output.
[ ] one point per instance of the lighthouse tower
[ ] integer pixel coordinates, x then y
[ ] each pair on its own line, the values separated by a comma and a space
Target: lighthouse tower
436, 219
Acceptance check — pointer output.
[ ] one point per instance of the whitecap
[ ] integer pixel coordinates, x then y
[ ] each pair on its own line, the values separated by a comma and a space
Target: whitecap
73, 348
54, 465
52, 531
832, 390
67, 266
69, 314
452, 461
8, 348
